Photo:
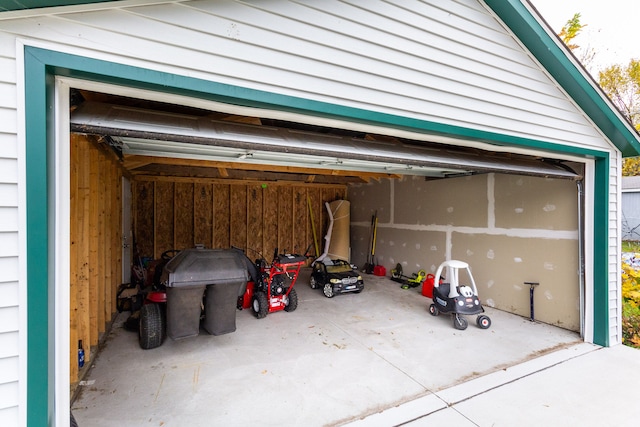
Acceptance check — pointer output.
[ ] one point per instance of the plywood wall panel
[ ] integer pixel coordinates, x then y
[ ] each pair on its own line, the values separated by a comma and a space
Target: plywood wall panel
75, 237
184, 212
106, 226
95, 237
270, 222
115, 208
163, 221
143, 199
285, 218
94, 248
82, 218
238, 215
221, 216
301, 238
203, 214
98, 199
116, 228
254, 217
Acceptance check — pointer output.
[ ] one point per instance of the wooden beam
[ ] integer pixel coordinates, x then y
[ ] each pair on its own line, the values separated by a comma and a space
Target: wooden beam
132, 162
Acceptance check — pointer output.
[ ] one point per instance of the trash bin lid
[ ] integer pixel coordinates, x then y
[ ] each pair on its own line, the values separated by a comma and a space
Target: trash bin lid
199, 266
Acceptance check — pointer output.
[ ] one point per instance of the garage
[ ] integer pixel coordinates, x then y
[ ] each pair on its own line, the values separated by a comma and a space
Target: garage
467, 130
180, 197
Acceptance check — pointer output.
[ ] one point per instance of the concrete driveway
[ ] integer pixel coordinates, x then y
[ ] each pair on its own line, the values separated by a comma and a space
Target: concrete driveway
348, 359
582, 385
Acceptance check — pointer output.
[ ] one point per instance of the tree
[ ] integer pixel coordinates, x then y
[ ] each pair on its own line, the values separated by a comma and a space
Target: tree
620, 83
622, 86
571, 30
568, 33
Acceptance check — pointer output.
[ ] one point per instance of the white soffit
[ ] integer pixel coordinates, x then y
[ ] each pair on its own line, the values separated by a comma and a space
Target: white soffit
167, 134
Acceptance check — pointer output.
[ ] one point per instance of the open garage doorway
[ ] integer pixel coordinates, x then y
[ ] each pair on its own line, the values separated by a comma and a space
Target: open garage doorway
164, 180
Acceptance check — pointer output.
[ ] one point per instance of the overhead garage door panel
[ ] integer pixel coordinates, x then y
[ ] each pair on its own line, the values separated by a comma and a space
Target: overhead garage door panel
167, 134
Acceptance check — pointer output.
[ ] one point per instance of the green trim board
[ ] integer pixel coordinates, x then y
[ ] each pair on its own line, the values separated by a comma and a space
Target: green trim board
40, 307
601, 333
42, 65
573, 80
11, 5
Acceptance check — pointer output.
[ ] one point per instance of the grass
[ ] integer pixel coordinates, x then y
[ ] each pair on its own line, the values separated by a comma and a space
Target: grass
630, 246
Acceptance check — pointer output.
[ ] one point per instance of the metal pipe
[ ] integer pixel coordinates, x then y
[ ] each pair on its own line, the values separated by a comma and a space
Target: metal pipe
532, 287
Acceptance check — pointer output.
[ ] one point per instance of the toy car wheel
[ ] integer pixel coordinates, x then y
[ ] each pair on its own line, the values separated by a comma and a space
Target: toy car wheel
260, 305
292, 301
460, 322
152, 326
483, 322
328, 290
433, 310
313, 283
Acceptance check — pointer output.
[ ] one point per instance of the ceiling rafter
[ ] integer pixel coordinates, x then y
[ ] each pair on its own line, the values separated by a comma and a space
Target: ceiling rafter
134, 162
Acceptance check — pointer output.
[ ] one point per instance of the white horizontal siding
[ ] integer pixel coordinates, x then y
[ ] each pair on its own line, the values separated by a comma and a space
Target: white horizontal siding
8, 192
8, 370
8, 175
9, 344
10, 329
8, 144
8, 95
8, 246
7, 47
8, 219
9, 294
9, 319
9, 273
8, 395
7, 65
447, 62
8, 118
9, 416
615, 263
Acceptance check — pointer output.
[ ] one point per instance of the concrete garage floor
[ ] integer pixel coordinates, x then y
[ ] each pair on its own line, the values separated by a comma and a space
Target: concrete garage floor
330, 362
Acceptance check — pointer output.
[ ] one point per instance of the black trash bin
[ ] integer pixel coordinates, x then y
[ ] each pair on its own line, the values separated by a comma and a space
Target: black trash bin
222, 272
222, 295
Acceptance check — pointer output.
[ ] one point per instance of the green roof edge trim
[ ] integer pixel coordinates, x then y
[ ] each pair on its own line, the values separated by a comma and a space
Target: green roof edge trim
573, 80
13, 5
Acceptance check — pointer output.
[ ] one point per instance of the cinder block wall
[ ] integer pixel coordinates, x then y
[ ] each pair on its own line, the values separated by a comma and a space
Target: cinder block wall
511, 229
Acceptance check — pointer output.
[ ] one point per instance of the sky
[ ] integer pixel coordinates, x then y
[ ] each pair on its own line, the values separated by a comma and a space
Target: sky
613, 27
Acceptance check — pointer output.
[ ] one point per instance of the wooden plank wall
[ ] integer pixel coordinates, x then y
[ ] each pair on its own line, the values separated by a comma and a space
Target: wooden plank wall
96, 244
178, 213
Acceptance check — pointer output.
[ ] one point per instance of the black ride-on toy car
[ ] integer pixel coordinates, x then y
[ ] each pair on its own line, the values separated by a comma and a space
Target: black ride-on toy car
456, 299
335, 277
274, 288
